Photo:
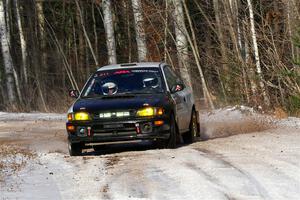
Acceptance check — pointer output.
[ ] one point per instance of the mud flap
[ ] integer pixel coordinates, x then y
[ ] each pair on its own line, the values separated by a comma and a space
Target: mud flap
198, 124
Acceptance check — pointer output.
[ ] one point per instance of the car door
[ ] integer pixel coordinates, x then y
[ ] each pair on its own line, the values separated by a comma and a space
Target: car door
188, 102
179, 97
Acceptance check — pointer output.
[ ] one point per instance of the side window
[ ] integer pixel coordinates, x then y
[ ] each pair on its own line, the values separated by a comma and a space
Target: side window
172, 78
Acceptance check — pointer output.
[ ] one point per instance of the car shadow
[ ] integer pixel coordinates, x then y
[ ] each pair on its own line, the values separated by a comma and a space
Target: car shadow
119, 148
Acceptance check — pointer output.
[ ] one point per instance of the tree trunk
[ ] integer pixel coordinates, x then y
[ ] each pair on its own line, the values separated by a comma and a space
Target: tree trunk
290, 27
8, 64
109, 30
129, 34
181, 41
224, 55
256, 53
86, 34
194, 47
41, 25
220, 35
139, 30
95, 31
22, 41
166, 22
81, 47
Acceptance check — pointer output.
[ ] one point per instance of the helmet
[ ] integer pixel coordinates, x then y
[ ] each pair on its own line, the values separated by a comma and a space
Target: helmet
109, 88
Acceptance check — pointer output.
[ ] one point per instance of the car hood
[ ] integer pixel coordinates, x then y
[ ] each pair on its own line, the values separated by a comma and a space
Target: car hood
123, 102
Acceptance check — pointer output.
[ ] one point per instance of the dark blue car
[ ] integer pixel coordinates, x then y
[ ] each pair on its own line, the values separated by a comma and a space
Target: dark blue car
127, 102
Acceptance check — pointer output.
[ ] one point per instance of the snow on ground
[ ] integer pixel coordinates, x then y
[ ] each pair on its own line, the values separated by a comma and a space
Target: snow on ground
246, 156
12, 160
289, 122
5, 116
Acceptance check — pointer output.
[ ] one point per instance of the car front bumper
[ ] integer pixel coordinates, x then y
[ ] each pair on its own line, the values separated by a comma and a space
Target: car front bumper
118, 130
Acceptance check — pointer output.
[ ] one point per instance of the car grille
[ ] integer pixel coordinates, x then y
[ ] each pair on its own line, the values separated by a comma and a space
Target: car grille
108, 115
114, 129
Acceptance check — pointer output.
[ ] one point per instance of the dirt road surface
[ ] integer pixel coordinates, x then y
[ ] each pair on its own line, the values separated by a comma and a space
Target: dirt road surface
241, 159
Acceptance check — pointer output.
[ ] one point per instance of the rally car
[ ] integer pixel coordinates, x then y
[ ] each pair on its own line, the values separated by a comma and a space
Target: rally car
135, 101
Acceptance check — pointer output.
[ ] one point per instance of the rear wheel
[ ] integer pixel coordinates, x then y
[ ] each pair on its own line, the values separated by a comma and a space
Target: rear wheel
192, 134
75, 149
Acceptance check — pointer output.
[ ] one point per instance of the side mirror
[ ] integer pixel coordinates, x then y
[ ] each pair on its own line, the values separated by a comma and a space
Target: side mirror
177, 87
74, 93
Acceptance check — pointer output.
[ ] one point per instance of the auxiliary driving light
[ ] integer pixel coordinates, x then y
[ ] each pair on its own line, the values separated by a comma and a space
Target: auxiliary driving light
70, 128
158, 122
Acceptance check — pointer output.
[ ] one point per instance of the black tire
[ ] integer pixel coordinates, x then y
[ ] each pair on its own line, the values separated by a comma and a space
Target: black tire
193, 133
171, 142
75, 149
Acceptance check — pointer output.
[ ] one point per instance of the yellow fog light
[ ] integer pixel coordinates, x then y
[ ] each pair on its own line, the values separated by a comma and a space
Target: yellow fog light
82, 116
146, 112
149, 111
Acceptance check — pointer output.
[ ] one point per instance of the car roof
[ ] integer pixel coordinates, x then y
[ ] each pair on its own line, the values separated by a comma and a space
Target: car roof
131, 65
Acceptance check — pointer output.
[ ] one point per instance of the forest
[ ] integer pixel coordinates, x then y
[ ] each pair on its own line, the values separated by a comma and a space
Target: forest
231, 52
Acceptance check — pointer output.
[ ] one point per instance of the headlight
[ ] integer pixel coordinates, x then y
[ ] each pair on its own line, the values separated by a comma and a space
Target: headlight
149, 112
81, 116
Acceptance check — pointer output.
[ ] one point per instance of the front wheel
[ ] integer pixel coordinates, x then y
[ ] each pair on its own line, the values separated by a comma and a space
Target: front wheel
75, 149
192, 134
171, 142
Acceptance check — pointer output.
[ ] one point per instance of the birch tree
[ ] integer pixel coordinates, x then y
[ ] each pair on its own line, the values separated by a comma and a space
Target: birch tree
22, 41
181, 41
194, 46
220, 34
256, 53
109, 30
7, 59
139, 30
41, 25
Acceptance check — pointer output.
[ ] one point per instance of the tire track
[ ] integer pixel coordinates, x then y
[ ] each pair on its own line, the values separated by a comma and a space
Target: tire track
218, 158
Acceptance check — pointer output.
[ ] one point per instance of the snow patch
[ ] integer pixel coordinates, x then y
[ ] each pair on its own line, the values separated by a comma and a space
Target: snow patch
290, 122
5, 116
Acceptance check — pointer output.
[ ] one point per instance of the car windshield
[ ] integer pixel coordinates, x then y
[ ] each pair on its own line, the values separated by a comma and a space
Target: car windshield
124, 81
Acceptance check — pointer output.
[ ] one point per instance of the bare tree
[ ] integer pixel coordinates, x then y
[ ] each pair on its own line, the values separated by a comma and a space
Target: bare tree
256, 53
22, 41
8, 63
86, 34
181, 41
41, 25
109, 30
194, 46
139, 30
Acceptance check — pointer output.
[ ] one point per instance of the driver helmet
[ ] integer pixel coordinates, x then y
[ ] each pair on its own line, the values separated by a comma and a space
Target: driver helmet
109, 88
